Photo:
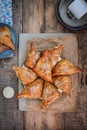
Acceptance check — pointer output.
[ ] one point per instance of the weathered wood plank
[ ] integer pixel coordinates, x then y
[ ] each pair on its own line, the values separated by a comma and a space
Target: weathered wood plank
82, 52
33, 16
78, 121
17, 15
10, 117
44, 121
51, 23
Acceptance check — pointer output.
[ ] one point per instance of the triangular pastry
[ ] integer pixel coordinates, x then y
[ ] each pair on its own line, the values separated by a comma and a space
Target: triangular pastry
25, 75
32, 57
3, 47
6, 38
43, 67
50, 94
54, 54
65, 67
33, 90
63, 83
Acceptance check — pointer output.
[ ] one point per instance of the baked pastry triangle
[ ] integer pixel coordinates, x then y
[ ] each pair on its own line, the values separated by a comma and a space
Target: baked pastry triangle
63, 83
43, 67
3, 47
50, 94
6, 38
54, 54
32, 57
25, 75
65, 67
33, 90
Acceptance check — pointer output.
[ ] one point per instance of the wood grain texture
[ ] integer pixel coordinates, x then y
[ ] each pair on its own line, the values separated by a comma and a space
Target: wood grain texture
10, 117
44, 121
51, 23
82, 39
33, 16
17, 15
78, 121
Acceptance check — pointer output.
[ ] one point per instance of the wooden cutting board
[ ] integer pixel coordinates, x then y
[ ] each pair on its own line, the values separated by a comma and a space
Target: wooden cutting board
50, 40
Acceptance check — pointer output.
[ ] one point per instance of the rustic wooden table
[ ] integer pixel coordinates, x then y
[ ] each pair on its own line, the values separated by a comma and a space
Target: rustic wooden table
39, 16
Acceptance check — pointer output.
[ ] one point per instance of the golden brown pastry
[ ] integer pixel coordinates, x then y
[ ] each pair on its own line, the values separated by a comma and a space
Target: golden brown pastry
5, 37
50, 94
3, 47
65, 67
43, 67
54, 54
32, 57
33, 90
63, 83
25, 75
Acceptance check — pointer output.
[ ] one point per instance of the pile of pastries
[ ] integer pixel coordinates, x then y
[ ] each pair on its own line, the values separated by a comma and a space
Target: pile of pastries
6, 41
44, 76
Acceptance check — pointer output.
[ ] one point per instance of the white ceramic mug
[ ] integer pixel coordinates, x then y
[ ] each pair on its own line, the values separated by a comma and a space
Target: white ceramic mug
78, 8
